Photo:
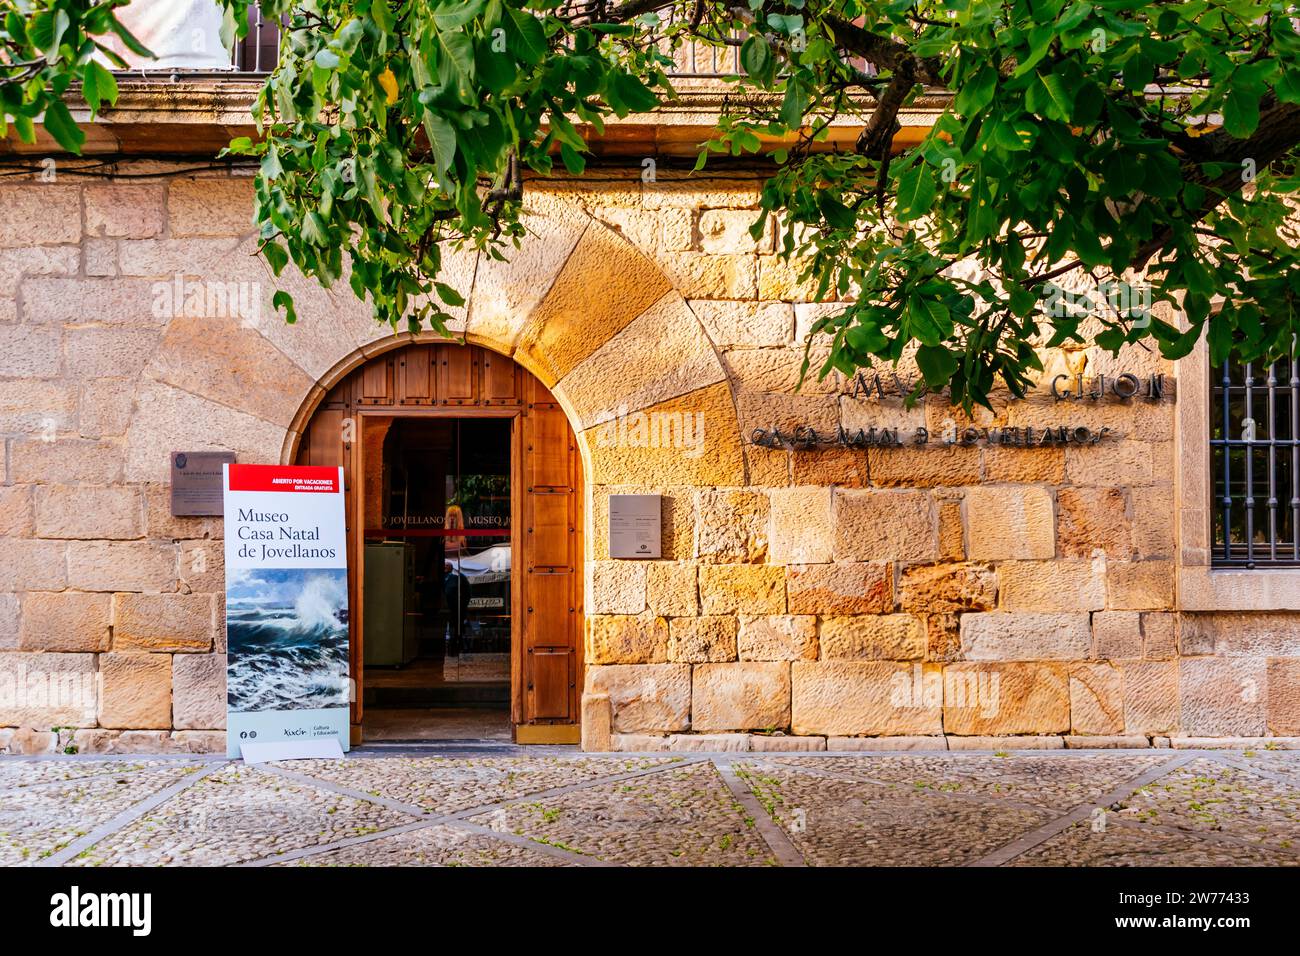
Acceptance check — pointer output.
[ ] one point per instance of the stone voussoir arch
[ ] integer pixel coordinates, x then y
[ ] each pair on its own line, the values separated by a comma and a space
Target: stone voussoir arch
593, 316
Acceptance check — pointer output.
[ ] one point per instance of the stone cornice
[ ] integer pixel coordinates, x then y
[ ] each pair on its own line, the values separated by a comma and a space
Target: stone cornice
198, 116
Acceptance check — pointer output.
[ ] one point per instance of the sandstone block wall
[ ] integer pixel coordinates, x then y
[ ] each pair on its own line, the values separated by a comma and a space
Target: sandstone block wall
938, 596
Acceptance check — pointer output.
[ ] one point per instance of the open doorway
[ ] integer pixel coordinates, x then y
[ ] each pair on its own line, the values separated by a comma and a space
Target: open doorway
436, 599
463, 420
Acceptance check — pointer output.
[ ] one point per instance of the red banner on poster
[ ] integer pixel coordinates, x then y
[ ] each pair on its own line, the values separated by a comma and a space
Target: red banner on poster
307, 478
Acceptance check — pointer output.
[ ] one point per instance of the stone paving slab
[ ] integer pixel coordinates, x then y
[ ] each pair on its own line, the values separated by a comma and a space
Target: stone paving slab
438, 785
1207, 797
681, 816
844, 822
60, 802
564, 808
1044, 780
432, 846
238, 813
1127, 844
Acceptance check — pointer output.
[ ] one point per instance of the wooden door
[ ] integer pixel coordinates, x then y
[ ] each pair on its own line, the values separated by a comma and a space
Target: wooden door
463, 380
550, 629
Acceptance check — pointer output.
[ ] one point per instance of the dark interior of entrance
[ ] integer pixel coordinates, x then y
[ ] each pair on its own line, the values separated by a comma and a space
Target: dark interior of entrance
437, 602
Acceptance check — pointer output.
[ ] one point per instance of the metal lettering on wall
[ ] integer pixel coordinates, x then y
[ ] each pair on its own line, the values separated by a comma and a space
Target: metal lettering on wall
803, 437
197, 483
1115, 387
634, 526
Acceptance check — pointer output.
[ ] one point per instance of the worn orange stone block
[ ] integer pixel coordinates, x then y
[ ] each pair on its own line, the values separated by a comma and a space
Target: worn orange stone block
717, 461
126, 211
1284, 696
1010, 522
890, 525
1091, 520
740, 696
952, 535
644, 698
742, 588
940, 588
841, 467
924, 467
875, 698
1056, 585
867, 637
672, 589
1096, 699
1024, 465
136, 691
1140, 585
162, 622
64, 621
1222, 697
778, 637
841, 588
1151, 703
702, 640
1005, 698
943, 637
1116, 635
210, 207
626, 639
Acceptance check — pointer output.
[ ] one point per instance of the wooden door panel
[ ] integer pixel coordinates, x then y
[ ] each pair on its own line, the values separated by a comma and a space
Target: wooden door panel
415, 375
457, 375
547, 668
550, 680
500, 380
375, 382
548, 447
324, 439
549, 542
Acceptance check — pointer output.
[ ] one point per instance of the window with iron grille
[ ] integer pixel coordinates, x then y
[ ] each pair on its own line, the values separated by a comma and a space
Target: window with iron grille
1255, 459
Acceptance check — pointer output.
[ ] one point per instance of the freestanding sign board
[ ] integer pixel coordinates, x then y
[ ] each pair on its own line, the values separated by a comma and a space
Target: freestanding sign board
286, 606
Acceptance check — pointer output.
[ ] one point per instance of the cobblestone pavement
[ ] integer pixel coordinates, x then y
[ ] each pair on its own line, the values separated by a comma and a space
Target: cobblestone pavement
558, 807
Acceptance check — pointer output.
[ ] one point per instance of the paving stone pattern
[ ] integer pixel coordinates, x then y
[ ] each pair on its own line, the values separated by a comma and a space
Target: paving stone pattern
559, 808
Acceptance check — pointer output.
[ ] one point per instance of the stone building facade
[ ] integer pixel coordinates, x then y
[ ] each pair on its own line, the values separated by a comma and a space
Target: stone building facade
991, 588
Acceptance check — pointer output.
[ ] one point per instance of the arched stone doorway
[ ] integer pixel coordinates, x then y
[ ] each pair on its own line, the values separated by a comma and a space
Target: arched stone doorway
428, 387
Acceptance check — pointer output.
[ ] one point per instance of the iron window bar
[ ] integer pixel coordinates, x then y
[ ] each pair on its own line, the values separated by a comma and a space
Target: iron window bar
1255, 464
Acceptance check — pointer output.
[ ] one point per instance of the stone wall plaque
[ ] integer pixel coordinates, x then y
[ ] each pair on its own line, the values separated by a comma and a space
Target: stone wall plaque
197, 483
634, 526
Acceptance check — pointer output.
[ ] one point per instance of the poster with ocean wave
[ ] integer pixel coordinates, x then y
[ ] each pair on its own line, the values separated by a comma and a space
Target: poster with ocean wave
287, 639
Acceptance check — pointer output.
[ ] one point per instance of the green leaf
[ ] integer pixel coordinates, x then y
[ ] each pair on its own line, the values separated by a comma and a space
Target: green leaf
795, 103
448, 295
937, 365
637, 97
128, 38
1241, 112
916, 192
58, 123
755, 55
276, 256
525, 36
98, 86
977, 92
442, 137
284, 301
